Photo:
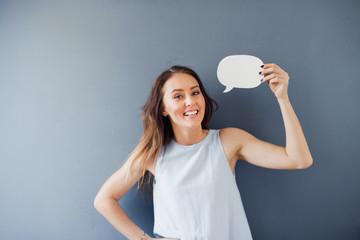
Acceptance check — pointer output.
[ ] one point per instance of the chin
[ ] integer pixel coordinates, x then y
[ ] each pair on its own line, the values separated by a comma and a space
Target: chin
193, 125
188, 123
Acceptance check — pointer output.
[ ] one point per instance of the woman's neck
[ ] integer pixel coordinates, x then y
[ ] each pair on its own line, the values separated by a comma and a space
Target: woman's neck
189, 136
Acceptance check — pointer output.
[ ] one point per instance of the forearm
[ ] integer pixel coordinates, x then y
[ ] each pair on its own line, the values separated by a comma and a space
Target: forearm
296, 146
116, 215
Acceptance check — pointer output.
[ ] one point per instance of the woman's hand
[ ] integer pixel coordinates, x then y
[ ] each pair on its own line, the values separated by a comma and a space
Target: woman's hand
277, 78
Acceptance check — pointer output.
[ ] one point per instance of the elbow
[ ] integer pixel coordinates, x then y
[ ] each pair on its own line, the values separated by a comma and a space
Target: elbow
97, 203
305, 163
101, 203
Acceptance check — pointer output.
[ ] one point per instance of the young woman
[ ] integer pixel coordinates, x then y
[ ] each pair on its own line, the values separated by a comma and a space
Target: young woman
190, 167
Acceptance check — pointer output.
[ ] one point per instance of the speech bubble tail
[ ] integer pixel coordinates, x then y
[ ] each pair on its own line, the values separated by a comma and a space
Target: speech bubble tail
227, 89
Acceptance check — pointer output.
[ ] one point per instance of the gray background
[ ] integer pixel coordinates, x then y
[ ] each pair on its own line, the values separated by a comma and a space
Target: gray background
74, 76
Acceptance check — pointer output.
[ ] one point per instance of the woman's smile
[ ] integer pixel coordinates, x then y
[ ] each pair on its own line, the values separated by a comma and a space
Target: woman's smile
183, 101
191, 114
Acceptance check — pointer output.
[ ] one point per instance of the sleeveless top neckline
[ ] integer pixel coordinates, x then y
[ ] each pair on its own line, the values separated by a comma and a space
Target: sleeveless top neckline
192, 145
195, 194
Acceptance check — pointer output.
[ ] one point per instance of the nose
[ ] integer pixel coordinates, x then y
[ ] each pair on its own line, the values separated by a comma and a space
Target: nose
189, 102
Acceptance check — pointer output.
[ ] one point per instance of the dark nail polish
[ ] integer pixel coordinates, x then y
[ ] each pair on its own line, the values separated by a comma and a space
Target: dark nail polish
259, 73
262, 65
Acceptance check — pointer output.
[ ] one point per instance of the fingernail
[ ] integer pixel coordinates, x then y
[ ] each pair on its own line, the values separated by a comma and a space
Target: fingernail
262, 65
260, 73
261, 80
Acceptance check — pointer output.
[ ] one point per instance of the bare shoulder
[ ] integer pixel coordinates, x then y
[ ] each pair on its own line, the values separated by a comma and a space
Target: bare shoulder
230, 134
232, 140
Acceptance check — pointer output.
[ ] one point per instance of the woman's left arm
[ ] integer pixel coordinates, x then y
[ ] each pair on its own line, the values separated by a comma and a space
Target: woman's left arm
296, 153
296, 148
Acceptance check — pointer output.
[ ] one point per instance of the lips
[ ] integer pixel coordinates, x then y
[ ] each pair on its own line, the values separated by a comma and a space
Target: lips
191, 112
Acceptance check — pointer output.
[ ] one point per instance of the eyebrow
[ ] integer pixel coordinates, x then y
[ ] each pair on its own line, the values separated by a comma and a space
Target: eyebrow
183, 89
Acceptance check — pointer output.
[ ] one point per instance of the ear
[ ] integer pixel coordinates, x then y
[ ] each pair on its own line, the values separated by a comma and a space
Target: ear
163, 110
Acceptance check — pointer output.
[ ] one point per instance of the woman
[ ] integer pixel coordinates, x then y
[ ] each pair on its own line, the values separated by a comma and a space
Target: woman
195, 195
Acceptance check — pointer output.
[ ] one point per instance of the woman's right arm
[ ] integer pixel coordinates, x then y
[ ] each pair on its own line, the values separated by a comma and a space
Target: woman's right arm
106, 202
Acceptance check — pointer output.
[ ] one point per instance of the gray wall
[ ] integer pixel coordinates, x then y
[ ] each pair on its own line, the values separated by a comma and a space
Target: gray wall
74, 76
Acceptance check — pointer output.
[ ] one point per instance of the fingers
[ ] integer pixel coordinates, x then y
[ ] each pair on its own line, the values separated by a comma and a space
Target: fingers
273, 73
270, 78
270, 68
268, 71
270, 65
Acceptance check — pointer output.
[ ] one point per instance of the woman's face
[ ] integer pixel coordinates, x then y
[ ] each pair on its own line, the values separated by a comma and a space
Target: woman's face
183, 101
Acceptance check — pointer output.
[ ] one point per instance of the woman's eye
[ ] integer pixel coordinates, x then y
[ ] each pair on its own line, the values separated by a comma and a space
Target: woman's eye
177, 96
196, 93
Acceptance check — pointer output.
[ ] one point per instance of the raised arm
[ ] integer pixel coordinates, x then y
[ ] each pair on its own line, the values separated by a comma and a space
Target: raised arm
239, 144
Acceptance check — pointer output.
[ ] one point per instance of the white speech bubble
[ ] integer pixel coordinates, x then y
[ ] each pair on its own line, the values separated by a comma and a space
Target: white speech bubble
239, 71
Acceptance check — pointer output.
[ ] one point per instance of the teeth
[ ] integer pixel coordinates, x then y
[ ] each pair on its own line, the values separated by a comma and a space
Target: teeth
191, 113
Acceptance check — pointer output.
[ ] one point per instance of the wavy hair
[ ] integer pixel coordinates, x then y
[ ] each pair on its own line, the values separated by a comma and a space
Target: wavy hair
157, 129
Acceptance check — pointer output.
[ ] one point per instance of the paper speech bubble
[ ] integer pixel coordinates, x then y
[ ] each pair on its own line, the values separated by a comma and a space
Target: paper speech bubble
239, 71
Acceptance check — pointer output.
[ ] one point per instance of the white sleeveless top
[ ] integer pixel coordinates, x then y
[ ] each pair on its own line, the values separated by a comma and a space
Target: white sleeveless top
195, 193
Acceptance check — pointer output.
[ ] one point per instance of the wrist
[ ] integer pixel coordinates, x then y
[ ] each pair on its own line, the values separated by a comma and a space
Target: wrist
145, 236
283, 98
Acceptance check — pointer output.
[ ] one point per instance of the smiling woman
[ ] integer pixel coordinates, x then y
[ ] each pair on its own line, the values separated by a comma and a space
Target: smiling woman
193, 165
184, 105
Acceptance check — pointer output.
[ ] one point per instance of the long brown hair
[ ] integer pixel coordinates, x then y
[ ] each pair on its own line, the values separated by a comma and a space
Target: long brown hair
157, 129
